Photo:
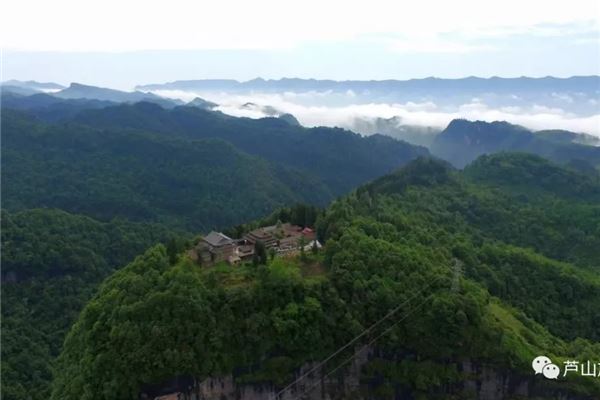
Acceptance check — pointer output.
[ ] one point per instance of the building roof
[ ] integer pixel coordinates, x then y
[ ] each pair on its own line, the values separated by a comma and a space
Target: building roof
217, 239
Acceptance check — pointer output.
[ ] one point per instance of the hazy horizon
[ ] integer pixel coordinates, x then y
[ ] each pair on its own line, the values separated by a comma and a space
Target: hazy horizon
123, 45
96, 43
353, 199
371, 108
134, 86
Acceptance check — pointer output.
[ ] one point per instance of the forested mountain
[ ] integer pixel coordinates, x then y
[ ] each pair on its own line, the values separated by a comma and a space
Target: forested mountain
496, 283
565, 137
396, 128
460, 143
342, 159
142, 176
49, 108
89, 184
463, 141
201, 103
52, 263
79, 91
179, 166
53, 260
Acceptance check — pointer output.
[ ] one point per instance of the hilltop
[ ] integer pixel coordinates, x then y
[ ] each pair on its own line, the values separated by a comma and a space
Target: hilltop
463, 141
393, 239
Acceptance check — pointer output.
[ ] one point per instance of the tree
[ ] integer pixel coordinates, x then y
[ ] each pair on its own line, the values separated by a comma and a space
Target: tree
172, 250
302, 244
260, 254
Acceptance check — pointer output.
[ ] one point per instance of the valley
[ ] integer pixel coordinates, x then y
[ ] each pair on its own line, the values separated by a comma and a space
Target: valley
147, 243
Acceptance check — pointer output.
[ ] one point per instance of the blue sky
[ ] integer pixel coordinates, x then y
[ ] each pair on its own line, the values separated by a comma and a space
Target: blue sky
121, 44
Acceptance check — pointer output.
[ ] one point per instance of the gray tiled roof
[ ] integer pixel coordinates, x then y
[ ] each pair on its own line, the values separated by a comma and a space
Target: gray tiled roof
217, 239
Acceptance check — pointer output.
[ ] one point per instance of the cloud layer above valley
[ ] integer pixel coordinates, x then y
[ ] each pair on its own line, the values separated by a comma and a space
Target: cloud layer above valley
345, 109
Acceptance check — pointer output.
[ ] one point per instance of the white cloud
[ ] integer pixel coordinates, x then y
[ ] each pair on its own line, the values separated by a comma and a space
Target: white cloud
533, 116
424, 106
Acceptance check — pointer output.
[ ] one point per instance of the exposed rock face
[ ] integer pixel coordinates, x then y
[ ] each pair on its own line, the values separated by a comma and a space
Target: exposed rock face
482, 383
312, 387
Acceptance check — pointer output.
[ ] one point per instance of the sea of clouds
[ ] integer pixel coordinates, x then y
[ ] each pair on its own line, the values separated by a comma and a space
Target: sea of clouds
344, 109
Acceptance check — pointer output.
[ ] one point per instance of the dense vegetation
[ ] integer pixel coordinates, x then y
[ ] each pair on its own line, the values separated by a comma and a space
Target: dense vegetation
113, 180
530, 202
172, 166
79, 91
47, 107
87, 191
387, 241
52, 262
198, 185
341, 159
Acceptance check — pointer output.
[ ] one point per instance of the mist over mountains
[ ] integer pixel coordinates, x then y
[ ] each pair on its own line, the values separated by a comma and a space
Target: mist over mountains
473, 130
409, 107
536, 103
397, 89
316, 200
93, 176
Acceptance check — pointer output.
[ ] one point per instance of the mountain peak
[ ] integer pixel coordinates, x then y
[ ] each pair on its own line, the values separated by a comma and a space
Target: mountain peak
422, 171
76, 85
463, 141
462, 123
202, 103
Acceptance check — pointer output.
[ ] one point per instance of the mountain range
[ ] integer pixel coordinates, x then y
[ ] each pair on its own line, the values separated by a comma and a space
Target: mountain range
427, 85
463, 141
491, 226
193, 162
460, 142
396, 240
576, 95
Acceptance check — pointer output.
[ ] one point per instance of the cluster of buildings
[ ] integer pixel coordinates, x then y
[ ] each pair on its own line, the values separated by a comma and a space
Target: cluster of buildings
281, 238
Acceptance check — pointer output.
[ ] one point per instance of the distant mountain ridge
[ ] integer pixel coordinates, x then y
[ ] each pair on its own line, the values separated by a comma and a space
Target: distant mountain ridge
79, 91
396, 128
341, 158
34, 85
197, 184
460, 142
578, 95
575, 83
463, 141
201, 103
562, 136
50, 108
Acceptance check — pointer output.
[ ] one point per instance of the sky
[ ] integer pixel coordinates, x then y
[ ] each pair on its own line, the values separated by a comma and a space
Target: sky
124, 43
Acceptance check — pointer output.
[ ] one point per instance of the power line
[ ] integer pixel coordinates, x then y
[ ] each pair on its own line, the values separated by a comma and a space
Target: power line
363, 333
306, 391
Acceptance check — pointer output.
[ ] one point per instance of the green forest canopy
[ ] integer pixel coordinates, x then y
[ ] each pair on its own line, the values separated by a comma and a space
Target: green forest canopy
384, 240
